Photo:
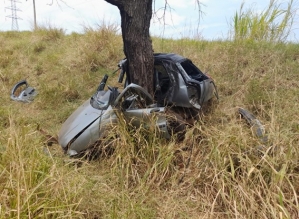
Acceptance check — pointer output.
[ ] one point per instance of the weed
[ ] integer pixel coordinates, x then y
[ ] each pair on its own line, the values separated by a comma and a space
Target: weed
219, 170
273, 24
49, 33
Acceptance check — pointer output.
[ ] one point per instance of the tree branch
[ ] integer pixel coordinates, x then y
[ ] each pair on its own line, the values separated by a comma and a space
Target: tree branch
117, 3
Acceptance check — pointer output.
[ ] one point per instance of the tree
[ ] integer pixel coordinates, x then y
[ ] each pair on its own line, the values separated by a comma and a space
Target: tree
135, 23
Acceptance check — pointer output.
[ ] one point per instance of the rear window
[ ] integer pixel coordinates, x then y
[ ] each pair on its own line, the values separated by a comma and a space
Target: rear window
193, 71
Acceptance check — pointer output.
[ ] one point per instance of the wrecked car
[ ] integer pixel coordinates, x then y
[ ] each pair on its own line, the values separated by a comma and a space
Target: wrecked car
178, 83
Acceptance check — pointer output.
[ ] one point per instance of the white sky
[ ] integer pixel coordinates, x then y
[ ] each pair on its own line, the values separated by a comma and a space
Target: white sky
181, 21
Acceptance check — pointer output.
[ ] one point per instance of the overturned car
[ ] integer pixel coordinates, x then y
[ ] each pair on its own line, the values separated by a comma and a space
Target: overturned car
178, 84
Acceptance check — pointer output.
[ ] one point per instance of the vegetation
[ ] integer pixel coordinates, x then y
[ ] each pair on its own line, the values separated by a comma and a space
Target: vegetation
215, 172
273, 24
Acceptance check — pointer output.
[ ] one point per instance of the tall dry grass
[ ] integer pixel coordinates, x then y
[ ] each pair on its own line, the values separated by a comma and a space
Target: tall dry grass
220, 169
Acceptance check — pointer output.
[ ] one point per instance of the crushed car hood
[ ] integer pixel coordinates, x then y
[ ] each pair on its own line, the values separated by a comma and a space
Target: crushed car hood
78, 121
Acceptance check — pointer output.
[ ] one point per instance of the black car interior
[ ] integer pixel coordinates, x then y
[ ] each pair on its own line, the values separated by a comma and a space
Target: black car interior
162, 83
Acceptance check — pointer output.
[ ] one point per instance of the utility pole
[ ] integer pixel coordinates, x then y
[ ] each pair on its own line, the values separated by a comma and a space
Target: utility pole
34, 15
34, 11
13, 16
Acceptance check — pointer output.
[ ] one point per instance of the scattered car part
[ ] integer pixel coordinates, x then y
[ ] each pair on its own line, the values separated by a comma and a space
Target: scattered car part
178, 83
26, 94
255, 124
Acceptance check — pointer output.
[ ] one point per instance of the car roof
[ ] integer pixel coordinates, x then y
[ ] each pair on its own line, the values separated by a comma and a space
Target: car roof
169, 56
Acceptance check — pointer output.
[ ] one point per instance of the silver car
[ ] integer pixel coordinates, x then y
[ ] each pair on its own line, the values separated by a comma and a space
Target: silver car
179, 84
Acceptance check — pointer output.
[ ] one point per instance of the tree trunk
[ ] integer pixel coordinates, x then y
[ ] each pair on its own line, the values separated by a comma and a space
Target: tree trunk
135, 23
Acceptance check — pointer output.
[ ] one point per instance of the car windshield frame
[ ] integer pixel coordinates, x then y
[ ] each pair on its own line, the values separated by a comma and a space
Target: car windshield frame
100, 100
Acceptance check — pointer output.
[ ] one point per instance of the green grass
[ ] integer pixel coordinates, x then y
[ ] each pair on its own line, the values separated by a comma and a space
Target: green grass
272, 24
216, 172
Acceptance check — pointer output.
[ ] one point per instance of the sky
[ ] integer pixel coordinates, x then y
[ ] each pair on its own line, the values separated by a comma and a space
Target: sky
181, 20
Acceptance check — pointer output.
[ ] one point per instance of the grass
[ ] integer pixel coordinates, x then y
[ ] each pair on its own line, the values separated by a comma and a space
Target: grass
215, 172
273, 24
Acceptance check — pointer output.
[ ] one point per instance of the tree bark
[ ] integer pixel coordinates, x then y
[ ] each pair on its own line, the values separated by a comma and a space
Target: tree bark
135, 23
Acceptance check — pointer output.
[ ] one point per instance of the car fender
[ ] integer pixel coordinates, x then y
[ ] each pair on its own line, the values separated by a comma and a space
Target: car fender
83, 117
